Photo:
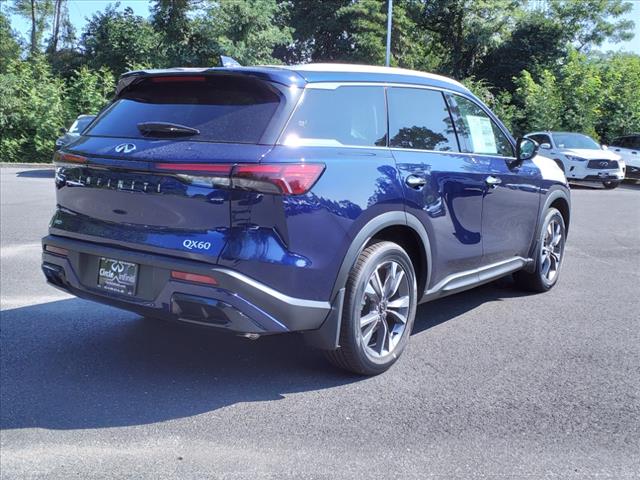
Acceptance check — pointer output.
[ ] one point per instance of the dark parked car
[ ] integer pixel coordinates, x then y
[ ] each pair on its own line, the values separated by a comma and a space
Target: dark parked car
324, 199
74, 131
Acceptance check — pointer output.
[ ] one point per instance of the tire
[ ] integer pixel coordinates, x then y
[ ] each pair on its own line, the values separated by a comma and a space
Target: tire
373, 333
549, 255
611, 184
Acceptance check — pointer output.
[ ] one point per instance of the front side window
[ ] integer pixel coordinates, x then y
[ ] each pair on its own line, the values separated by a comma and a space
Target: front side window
354, 116
477, 132
420, 119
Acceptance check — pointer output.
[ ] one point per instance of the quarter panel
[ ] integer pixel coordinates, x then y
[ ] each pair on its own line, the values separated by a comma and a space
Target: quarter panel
313, 230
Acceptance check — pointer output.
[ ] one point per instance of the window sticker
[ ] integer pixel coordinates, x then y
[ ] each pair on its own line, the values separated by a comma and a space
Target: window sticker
484, 141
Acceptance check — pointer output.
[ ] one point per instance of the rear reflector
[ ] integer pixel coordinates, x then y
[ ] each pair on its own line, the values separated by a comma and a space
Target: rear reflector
56, 250
277, 178
193, 277
62, 157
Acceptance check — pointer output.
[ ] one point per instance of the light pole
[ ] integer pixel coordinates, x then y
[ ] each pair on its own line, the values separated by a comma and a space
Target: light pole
389, 10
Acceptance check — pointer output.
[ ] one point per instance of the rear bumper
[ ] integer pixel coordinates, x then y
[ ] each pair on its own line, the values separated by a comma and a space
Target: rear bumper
237, 303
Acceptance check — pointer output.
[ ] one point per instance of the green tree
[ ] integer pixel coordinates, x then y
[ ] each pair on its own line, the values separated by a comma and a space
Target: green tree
589, 23
246, 30
540, 104
467, 30
118, 40
347, 31
38, 13
88, 91
9, 45
170, 18
536, 43
620, 101
31, 111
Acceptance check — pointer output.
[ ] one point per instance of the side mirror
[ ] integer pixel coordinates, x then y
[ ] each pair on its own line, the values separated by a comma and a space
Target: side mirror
526, 149
546, 146
605, 147
63, 130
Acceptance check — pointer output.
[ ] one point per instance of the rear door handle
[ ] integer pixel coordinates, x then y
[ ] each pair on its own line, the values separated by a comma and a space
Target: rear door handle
415, 181
492, 181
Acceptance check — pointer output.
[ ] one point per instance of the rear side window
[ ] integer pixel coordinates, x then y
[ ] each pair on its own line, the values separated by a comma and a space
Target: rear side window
478, 133
419, 118
346, 115
632, 142
223, 109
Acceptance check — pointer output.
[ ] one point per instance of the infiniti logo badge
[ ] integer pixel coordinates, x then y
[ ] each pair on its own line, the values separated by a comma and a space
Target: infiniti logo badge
125, 148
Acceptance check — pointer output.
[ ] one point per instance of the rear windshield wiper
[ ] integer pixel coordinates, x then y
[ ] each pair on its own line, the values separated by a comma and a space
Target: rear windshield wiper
167, 128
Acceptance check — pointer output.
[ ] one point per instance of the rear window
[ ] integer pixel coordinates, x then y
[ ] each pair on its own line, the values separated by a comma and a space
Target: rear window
223, 109
348, 115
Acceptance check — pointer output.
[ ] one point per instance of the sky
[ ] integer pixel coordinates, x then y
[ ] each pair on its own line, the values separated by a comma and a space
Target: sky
79, 10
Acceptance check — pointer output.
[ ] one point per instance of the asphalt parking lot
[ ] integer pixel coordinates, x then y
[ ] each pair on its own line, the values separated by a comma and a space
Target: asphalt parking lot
495, 383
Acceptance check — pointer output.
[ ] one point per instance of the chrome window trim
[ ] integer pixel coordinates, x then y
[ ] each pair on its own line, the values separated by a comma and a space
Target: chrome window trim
335, 85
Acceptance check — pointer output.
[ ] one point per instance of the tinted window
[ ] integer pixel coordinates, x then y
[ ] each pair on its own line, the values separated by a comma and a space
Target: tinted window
230, 109
620, 142
540, 139
477, 132
575, 140
420, 119
627, 142
342, 116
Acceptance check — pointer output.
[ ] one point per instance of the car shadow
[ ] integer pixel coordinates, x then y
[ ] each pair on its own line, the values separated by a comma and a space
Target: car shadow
36, 173
72, 364
439, 311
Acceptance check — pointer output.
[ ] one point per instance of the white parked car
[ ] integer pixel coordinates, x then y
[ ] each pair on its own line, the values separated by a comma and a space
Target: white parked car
628, 147
581, 158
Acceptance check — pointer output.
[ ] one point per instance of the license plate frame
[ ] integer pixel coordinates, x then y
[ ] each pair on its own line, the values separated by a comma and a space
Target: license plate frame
118, 276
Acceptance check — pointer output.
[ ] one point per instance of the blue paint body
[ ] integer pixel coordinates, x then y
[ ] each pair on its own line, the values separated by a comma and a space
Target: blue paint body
295, 245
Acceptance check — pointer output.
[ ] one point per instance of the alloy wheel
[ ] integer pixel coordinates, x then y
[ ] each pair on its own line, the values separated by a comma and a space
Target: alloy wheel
385, 307
552, 249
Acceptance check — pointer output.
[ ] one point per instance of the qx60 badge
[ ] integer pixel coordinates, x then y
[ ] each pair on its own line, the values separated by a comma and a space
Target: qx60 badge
125, 148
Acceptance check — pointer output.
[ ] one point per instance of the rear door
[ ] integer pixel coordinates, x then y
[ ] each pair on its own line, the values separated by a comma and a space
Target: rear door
443, 187
511, 192
141, 176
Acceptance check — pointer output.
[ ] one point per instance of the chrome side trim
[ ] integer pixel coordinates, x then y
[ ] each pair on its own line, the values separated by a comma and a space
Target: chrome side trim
461, 281
298, 302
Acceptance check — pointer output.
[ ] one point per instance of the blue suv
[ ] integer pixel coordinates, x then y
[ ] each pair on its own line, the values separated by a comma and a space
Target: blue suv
328, 200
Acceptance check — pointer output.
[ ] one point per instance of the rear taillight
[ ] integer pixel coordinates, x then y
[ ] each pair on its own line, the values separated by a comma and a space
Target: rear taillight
286, 178
63, 252
277, 178
63, 157
193, 277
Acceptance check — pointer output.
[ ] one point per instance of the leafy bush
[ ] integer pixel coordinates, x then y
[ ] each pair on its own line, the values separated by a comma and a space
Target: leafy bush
35, 104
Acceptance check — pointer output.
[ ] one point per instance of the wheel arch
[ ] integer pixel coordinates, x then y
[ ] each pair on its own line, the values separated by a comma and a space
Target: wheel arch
557, 197
391, 226
398, 227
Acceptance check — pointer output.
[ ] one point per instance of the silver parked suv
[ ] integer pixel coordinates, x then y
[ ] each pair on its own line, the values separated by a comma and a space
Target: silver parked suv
580, 157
